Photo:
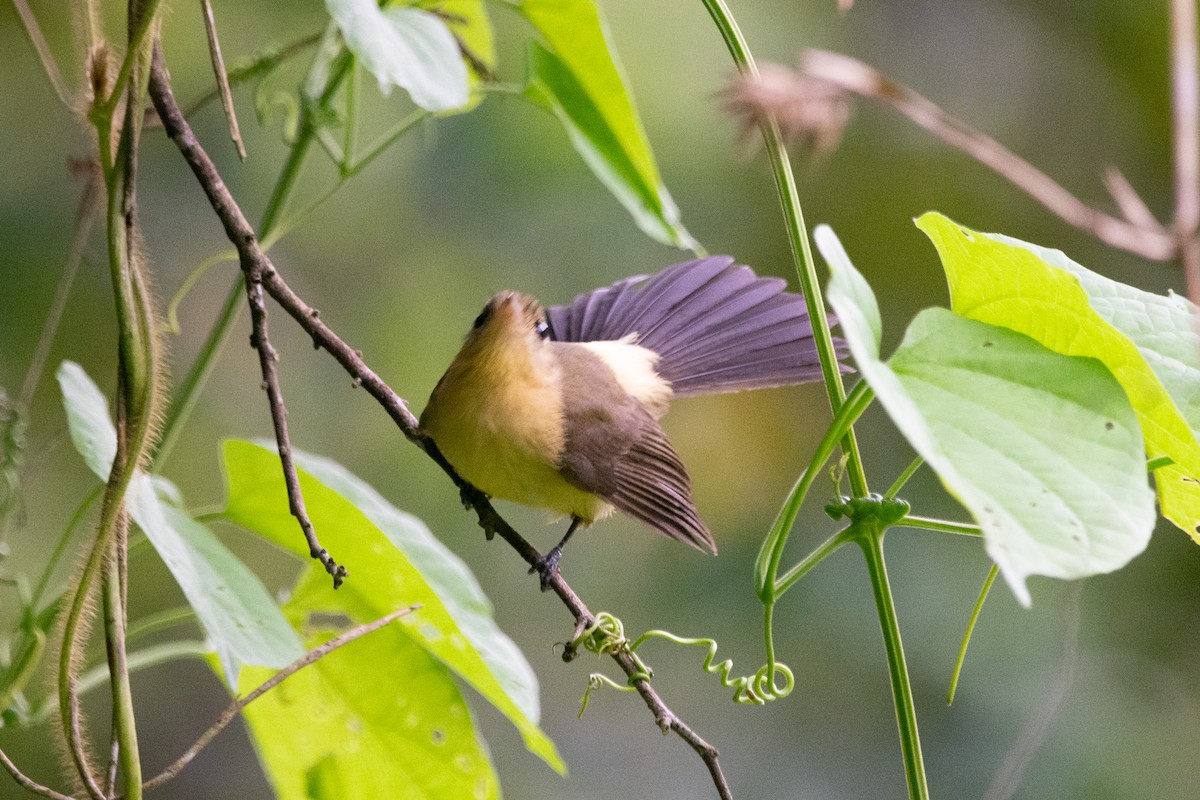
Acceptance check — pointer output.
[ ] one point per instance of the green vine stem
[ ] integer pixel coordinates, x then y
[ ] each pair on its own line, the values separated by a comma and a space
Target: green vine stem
902, 478
945, 526
789, 198
766, 567
115, 609
137, 389
870, 539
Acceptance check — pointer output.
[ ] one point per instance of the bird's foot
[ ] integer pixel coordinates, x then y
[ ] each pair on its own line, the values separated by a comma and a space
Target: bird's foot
467, 495
547, 567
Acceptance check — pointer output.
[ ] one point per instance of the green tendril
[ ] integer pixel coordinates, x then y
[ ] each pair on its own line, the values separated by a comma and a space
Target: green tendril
606, 636
757, 689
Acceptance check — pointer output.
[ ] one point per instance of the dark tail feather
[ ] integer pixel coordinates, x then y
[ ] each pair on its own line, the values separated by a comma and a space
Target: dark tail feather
716, 326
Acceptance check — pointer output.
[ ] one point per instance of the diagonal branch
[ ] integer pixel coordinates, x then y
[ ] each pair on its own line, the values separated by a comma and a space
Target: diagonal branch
856, 77
257, 269
38, 40
244, 239
30, 783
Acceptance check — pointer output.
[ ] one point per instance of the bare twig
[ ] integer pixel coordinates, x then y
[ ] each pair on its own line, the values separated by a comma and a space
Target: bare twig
267, 358
235, 708
1185, 108
218, 65
30, 783
244, 239
258, 270
34, 32
851, 75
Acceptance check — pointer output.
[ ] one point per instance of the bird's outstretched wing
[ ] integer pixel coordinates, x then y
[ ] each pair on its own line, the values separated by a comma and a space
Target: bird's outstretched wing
716, 326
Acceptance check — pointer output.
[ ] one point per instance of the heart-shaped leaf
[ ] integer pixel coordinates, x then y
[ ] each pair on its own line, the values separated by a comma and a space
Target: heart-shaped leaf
1043, 449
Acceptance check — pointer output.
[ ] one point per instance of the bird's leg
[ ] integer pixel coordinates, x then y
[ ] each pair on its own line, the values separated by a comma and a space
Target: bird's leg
547, 565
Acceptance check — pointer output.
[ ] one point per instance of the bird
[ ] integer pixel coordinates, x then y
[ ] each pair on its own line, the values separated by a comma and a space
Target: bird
558, 408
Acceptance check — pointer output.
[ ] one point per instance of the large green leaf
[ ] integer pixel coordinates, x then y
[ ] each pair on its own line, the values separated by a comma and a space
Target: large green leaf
393, 561
577, 75
1043, 449
1149, 343
243, 624
405, 47
377, 718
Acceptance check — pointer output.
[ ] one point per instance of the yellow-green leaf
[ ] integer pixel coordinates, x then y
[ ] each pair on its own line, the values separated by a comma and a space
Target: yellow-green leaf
377, 718
1043, 449
394, 561
1044, 295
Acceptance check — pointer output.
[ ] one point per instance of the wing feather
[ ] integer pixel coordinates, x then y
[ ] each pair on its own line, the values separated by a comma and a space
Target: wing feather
716, 326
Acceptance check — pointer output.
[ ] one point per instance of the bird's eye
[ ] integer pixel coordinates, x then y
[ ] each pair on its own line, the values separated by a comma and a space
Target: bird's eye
542, 328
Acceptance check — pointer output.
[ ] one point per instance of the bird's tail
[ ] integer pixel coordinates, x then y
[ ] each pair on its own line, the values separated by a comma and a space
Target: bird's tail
716, 326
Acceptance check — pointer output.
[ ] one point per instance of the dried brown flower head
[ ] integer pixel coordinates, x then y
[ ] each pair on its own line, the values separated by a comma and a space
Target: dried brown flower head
810, 111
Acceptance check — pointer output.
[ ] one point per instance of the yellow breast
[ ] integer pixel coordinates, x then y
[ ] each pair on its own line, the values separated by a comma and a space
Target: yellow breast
497, 417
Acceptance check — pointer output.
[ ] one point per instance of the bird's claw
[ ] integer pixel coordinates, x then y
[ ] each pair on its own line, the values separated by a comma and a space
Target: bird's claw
547, 567
467, 495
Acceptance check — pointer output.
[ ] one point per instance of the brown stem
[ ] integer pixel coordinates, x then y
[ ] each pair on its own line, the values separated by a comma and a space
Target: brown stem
258, 270
852, 75
267, 358
1185, 108
38, 40
242, 235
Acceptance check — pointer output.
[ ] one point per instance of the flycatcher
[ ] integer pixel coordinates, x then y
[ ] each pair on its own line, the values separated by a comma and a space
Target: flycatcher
559, 408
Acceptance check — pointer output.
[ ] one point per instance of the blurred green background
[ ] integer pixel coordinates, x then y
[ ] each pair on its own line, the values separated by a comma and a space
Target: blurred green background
1093, 688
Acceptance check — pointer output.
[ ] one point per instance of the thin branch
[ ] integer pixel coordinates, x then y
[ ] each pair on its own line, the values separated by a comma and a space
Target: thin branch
244, 239
1132, 206
34, 32
218, 65
29, 783
235, 708
1185, 108
267, 358
857, 77
257, 269
259, 66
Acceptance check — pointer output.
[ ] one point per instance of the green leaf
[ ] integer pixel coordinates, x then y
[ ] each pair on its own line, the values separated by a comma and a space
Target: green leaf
404, 47
1149, 343
576, 74
393, 561
377, 718
244, 625
1043, 449
88, 420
